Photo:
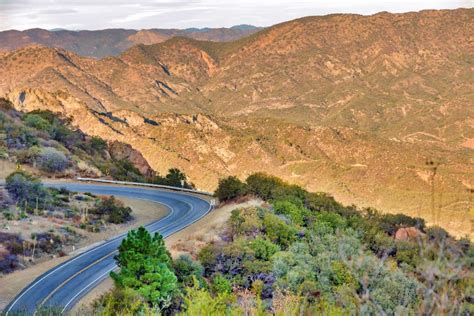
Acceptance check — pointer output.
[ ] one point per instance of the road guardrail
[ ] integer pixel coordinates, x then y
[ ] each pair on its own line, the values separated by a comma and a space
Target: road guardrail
168, 187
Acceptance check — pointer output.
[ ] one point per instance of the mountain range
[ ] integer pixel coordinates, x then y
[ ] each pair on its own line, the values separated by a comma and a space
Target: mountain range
368, 108
112, 42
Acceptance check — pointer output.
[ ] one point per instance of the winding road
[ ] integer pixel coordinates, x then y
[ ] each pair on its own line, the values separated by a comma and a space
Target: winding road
65, 284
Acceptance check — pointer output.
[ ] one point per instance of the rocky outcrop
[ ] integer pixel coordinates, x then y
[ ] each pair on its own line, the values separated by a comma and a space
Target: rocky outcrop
120, 151
407, 233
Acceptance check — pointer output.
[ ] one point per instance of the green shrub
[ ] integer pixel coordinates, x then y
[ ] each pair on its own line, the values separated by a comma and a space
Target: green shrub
98, 144
407, 252
122, 301
229, 188
38, 122
174, 178
296, 214
198, 301
263, 185
220, 285
278, 231
263, 248
246, 221
390, 223
187, 270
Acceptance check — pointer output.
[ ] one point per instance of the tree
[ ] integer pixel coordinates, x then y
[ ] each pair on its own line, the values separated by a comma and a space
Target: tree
24, 187
145, 267
230, 188
177, 178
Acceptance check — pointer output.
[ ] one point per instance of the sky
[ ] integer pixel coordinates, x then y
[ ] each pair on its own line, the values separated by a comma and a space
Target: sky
146, 14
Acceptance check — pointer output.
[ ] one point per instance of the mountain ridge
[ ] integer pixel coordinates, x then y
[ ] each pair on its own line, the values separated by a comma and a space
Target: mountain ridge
110, 42
360, 102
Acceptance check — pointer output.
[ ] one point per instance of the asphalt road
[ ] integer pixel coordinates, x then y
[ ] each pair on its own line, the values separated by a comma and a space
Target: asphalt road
65, 284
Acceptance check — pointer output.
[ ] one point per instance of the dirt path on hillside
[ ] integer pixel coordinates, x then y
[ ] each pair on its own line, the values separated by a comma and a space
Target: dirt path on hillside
143, 211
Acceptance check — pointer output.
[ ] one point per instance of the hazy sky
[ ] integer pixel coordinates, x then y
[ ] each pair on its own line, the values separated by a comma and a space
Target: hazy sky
139, 14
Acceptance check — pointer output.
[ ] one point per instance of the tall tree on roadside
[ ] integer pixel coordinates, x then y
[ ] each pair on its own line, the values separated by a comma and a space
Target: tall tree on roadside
145, 267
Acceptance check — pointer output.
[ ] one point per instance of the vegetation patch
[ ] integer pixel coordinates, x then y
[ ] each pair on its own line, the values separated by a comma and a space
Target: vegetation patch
303, 254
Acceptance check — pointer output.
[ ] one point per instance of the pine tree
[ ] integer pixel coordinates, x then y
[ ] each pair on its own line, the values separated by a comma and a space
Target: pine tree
145, 267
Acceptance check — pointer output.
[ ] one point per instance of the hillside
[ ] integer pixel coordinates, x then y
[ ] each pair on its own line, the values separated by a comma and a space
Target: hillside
294, 253
103, 43
348, 104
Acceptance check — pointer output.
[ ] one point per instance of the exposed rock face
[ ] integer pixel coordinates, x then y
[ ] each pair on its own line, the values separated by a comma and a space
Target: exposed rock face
407, 233
353, 105
120, 151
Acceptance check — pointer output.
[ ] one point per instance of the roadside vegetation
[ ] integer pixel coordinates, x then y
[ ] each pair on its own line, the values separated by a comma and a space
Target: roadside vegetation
43, 141
40, 144
301, 254
25, 199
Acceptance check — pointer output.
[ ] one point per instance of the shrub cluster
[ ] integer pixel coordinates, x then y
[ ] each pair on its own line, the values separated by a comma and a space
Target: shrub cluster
25, 188
306, 254
113, 210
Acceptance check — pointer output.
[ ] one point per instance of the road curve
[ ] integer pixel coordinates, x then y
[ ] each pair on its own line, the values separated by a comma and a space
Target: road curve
65, 284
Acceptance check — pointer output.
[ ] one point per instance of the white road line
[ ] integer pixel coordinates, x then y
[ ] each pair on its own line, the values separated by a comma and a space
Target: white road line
108, 271
114, 239
86, 287
83, 254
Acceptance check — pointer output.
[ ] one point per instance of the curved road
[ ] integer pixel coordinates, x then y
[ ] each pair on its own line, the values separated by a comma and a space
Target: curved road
65, 284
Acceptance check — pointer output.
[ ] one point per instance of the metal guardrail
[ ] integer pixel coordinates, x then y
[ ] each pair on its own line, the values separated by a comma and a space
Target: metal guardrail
145, 185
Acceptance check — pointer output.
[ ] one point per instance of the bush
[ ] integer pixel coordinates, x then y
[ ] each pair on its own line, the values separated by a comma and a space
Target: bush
52, 160
121, 301
390, 223
37, 122
220, 285
230, 188
263, 248
187, 270
114, 210
263, 185
23, 187
98, 144
28, 156
278, 231
292, 211
198, 301
174, 178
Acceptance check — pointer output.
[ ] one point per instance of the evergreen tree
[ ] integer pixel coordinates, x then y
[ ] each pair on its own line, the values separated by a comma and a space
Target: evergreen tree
145, 267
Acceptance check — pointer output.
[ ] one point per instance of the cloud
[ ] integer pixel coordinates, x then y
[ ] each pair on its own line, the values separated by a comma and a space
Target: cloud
139, 14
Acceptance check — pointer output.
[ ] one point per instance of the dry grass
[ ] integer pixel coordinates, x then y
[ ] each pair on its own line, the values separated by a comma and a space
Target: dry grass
11, 284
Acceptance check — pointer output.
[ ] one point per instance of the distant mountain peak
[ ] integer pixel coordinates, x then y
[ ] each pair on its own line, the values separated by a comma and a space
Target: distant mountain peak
244, 27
